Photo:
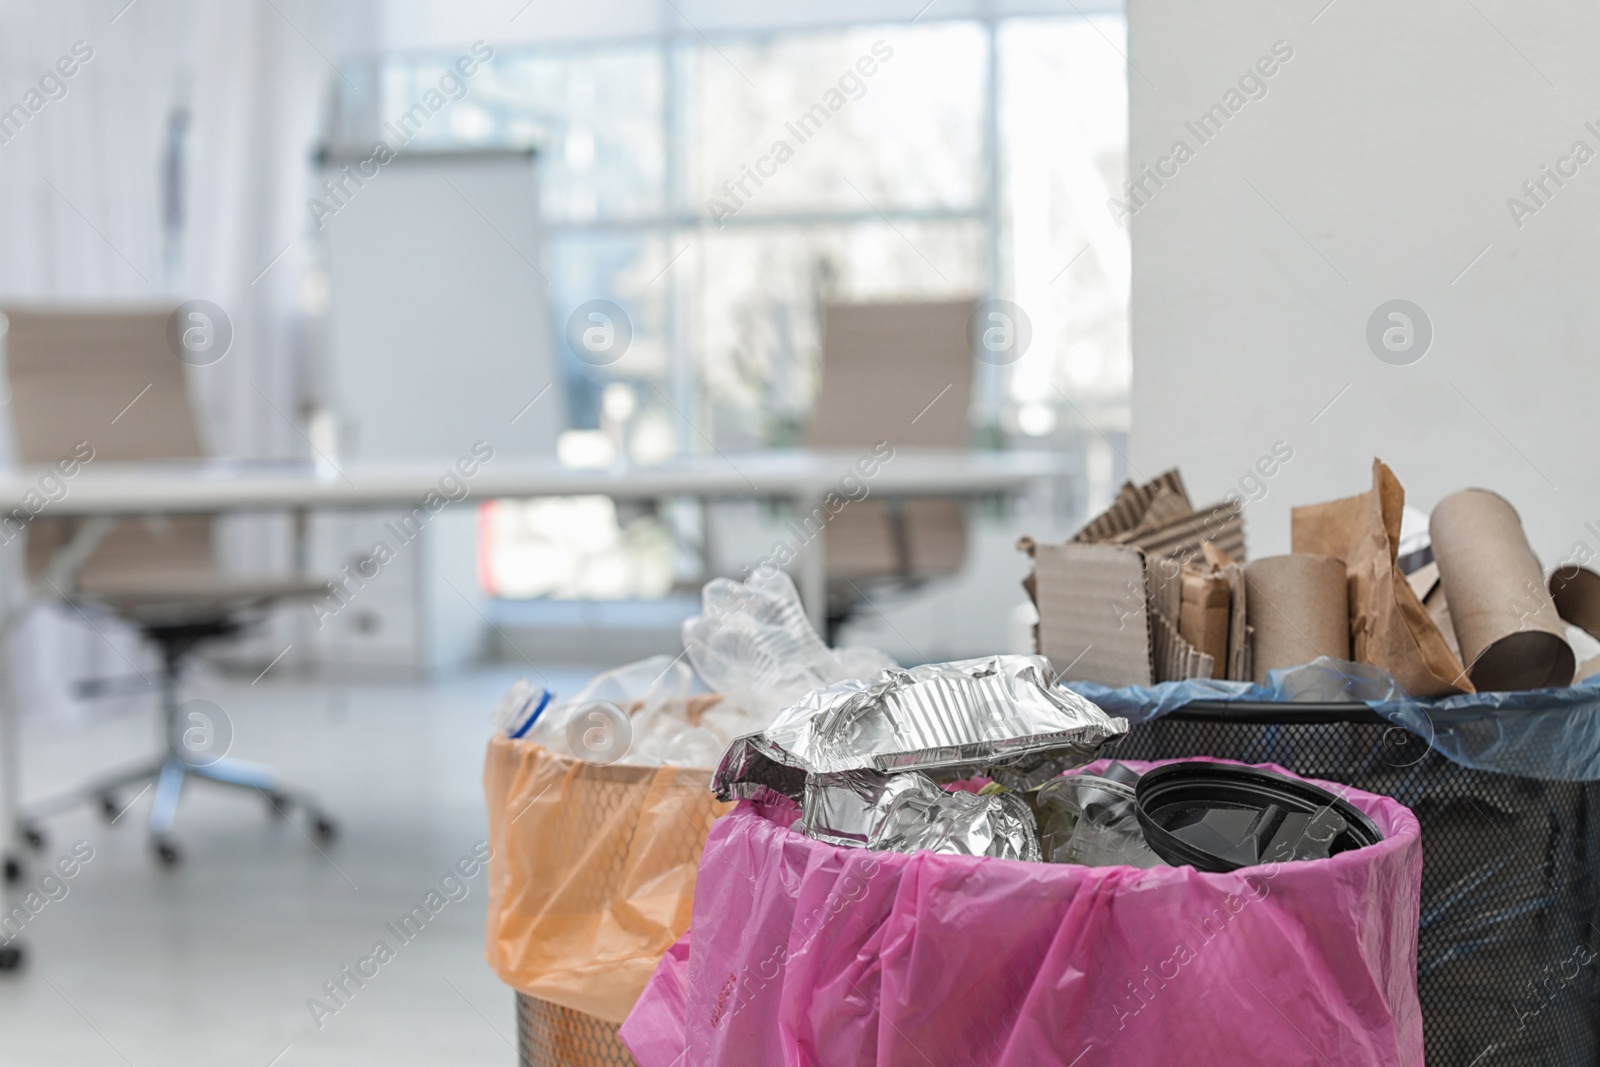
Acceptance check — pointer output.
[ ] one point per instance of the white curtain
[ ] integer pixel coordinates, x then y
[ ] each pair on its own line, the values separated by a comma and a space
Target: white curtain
83, 218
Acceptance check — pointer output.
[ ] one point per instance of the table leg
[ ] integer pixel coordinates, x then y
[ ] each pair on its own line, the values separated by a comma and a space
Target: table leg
10, 756
812, 569
300, 561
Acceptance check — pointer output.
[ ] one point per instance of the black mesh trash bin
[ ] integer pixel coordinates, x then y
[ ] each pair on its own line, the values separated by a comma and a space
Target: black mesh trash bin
1506, 966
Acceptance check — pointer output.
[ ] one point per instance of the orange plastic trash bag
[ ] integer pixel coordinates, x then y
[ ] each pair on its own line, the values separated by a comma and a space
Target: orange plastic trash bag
592, 875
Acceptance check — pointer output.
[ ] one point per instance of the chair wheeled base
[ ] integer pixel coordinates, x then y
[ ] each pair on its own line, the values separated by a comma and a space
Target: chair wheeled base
182, 760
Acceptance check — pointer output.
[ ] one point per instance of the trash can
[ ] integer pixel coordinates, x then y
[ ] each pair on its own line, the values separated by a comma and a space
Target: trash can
591, 879
1506, 968
802, 950
549, 1035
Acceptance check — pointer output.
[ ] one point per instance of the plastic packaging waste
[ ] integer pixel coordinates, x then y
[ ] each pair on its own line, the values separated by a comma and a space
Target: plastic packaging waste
645, 713
1221, 817
516, 712
753, 643
1092, 820
1551, 734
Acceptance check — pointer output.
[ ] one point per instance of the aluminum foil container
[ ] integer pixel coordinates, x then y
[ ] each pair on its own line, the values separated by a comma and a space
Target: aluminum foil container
909, 812
865, 758
998, 716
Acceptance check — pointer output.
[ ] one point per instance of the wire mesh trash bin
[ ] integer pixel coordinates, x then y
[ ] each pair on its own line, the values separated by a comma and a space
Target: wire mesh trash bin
1506, 971
549, 1035
591, 879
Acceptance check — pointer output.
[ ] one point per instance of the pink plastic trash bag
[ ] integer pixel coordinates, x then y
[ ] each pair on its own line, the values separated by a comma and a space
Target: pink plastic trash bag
805, 953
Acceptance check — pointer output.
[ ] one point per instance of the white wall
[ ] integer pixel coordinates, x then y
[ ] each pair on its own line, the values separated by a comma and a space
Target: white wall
1384, 153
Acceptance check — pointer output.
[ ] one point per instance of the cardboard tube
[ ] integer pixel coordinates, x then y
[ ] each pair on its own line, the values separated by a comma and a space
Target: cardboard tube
1298, 609
1506, 623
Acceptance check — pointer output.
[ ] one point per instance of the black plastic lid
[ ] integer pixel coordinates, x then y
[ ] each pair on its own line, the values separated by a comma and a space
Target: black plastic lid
1220, 817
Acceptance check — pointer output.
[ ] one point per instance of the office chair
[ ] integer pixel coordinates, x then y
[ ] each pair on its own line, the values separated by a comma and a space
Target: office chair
900, 373
105, 380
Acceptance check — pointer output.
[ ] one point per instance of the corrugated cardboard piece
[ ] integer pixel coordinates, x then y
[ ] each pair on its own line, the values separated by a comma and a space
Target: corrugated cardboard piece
1389, 627
1174, 656
1159, 518
1148, 537
1094, 620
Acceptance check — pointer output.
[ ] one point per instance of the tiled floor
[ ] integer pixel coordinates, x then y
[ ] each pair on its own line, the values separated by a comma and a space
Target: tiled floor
214, 962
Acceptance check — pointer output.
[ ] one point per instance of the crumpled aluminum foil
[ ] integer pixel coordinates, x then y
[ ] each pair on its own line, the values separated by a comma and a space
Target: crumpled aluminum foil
998, 716
909, 812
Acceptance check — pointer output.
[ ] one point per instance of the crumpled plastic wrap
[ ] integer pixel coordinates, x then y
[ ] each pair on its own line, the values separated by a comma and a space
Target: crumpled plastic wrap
753, 643
841, 749
1550, 734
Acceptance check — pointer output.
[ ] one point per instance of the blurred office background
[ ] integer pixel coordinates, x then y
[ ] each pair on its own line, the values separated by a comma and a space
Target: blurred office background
202, 151
977, 161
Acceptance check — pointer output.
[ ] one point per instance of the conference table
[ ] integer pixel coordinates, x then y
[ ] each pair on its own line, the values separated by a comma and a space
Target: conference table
102, 492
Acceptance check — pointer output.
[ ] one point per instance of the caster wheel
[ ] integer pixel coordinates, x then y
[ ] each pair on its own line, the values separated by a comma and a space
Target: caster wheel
11, 959
277, 804
167, 853
326, 829
13, 870
34, 837
108, 808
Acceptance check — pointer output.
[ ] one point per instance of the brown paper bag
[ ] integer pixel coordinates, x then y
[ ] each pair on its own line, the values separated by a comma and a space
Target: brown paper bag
593, 871
1204, 615
1389, 627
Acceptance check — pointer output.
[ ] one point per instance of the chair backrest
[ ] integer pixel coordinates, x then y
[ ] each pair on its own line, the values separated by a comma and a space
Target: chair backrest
105, 376
900, 373
883, 365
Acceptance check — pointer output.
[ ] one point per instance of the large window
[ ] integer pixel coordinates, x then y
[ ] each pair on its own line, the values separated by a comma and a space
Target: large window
720, 190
